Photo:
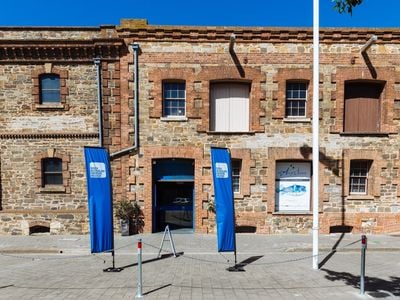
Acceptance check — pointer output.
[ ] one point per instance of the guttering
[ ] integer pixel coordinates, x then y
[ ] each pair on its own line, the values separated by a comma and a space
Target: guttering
372, 40
97, 62
136, 49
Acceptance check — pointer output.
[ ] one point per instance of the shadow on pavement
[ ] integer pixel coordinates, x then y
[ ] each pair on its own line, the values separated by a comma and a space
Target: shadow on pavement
239, 266
333, 251
375, 287
157, 289
153, 259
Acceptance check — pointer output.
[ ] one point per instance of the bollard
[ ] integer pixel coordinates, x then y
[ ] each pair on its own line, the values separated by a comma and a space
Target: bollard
139, 293
362, 274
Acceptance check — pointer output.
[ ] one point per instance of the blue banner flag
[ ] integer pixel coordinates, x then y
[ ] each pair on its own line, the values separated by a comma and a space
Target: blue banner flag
224, 206
99, 199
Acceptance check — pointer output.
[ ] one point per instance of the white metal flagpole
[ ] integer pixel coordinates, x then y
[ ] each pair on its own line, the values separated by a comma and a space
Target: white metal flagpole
315, 133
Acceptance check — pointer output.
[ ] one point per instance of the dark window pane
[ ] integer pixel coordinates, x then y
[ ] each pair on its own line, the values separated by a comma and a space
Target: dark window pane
52, 165
50, 88
53, 179
52, 171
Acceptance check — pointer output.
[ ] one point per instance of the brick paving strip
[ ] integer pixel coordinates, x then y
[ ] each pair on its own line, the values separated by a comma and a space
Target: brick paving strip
275, 269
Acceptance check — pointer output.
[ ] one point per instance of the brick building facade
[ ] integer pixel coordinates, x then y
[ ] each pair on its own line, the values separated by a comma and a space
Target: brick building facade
199, 87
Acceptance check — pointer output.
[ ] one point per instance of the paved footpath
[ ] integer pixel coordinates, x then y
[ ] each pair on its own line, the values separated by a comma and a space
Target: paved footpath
274, 267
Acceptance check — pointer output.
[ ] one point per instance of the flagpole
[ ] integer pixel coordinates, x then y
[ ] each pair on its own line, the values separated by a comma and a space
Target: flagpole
315, 133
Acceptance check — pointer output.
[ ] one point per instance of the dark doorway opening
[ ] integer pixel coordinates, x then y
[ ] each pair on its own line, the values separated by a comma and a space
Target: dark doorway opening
39, 229
173, 194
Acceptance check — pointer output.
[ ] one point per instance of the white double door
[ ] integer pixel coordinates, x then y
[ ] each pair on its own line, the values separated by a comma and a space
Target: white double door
230, 107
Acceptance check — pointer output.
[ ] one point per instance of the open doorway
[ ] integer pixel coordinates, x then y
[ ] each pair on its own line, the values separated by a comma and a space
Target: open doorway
173, 194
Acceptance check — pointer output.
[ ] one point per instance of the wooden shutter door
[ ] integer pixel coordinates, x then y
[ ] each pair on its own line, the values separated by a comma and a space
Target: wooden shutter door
362, 107
368, 115
351, 115
239, 107
220, 107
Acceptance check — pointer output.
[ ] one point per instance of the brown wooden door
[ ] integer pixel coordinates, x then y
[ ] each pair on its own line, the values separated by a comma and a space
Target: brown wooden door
362, 107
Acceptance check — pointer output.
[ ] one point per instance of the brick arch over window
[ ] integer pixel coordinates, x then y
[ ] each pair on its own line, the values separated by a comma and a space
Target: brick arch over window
158, 76
291, 75
346, 74
65, 158
254, 76
49, 69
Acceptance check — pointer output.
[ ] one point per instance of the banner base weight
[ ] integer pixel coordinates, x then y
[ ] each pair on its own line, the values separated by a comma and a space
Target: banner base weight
236, 268
112, 270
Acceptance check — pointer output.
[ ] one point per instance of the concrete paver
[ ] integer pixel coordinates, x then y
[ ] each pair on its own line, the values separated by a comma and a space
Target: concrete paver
279, 267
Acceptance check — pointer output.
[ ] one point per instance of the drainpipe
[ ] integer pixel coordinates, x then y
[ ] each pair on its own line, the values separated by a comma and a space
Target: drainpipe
232, 40
136, 49
97, 62
372, 40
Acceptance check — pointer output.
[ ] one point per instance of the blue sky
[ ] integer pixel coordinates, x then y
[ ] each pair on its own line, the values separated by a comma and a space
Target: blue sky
372, 13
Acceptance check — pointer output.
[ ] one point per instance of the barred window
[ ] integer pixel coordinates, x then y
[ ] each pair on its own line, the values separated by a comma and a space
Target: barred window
174, 99
296, 98
359, 176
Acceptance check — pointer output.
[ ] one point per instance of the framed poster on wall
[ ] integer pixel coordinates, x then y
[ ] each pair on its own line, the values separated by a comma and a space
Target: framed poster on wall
292, 186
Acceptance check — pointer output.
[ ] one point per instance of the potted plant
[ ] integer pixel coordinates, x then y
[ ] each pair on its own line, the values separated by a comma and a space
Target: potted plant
131, 217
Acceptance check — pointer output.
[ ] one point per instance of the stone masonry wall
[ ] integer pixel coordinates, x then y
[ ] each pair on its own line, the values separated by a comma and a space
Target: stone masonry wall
275, 63
29, 132
200, 56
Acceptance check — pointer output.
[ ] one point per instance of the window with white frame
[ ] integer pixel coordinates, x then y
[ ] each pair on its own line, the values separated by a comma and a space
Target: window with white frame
229, 107
236, 165
296, 99
174, 99
359, 170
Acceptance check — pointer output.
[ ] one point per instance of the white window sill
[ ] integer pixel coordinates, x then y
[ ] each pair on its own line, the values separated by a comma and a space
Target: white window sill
360, 197
49, 106
174, 119
296, 120
230, 132
292, 212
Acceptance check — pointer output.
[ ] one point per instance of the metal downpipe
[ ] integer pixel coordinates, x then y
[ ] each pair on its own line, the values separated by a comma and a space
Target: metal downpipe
97, 62
135, 48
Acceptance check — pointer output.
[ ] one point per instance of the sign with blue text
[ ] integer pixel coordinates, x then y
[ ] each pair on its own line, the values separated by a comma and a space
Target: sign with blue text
292, 186
224, 205
99, 199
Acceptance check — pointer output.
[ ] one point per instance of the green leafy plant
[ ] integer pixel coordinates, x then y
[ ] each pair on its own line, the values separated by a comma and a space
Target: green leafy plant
346, 5
211, 206
130, 211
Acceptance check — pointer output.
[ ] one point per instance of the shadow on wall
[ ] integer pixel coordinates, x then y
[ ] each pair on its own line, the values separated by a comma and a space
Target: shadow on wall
327, 161
245, 229
375, 287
